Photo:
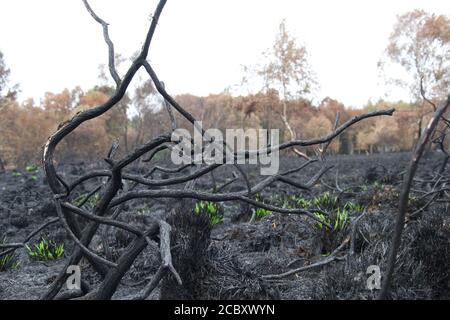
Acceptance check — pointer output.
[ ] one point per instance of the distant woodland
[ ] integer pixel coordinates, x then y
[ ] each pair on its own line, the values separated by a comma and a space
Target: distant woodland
420, 43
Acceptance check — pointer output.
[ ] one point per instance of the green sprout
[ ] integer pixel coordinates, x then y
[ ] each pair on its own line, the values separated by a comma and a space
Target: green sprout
17, 174
302, 202
211, 209
325, 200
261, 212
79, 200
354, 207
45, 250
31, 168
341, 219
92, 202
322, 219
337, 216
9, 261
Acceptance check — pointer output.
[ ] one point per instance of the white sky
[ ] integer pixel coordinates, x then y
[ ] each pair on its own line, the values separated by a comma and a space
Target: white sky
200, 45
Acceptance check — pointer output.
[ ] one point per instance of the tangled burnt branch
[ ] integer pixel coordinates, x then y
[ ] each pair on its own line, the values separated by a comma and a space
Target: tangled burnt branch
116, 192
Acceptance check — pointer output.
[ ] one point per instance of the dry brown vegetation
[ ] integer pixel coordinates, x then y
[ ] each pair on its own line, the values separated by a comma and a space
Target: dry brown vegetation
26, 126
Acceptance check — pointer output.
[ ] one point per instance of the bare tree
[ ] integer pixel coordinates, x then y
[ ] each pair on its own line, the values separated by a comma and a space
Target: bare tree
420, 45
289, 72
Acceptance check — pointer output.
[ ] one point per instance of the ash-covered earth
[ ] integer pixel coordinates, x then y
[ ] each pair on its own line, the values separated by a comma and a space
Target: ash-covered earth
241, 251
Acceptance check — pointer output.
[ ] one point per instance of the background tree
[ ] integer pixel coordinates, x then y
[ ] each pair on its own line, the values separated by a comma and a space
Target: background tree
387, 133
143, 101
330, 108
7, 97
118, 122
289, 72
7, 92
420, 44
60, 105
4, 76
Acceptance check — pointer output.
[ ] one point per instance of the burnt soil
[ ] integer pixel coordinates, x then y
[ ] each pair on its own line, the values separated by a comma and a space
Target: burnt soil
240, 252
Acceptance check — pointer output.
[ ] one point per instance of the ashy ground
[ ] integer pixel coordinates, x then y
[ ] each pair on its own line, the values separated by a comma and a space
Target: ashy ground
243, 251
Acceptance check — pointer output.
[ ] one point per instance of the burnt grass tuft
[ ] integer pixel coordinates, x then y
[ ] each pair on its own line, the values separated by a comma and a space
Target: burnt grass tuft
191, 238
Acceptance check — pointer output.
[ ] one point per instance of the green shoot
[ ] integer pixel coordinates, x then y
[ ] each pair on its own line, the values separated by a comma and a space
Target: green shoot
261, 212
31, 168
9, 261
354, 207
322, 218
326, 200
45, 250
92, 202
211, 209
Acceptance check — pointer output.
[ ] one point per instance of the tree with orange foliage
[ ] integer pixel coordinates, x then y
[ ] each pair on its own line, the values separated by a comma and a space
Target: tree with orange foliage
330, 109
7, 98
420, 44
60, 105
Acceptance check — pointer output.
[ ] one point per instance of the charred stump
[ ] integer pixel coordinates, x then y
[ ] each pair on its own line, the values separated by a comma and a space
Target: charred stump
190, 239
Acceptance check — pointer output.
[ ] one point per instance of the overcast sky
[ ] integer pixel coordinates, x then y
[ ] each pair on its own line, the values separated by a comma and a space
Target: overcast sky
201, 45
